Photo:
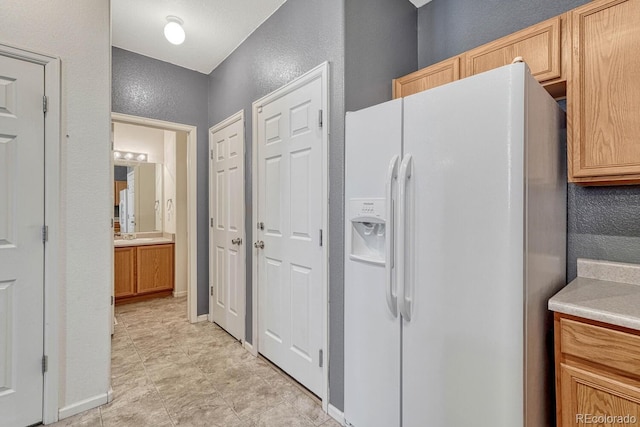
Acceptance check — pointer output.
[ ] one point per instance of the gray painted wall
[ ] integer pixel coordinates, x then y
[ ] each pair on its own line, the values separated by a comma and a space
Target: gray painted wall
119, 173
602, 222
146, 87
380, 45
450, 27
297, 37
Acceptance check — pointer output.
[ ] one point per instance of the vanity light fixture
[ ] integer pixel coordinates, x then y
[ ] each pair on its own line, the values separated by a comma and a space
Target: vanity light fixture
173, 31
130, 156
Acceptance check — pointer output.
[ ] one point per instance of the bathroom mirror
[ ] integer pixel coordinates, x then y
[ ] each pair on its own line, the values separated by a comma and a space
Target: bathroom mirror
137, 197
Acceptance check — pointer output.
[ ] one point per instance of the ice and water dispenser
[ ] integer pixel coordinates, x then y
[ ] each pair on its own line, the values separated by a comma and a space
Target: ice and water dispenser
368, 230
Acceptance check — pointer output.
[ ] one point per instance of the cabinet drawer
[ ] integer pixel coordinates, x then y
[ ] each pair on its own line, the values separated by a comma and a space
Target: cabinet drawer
607, 347
538, 45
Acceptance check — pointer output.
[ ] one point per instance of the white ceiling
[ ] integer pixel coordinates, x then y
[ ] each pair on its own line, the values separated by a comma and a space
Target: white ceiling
419, 3
214, 28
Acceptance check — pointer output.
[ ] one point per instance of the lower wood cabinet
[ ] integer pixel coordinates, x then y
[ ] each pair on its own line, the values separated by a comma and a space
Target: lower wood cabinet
143, 271
124, 263
597, 373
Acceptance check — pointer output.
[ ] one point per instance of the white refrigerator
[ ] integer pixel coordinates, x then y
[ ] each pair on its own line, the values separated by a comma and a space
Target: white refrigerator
455, 239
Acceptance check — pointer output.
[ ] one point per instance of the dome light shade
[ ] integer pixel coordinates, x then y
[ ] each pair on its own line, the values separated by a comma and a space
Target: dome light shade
173, 31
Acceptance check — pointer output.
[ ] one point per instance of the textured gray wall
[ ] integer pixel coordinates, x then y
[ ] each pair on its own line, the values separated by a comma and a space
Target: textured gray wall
380, 45
299, 36
119, 173
450, 27
602, 222
146, 87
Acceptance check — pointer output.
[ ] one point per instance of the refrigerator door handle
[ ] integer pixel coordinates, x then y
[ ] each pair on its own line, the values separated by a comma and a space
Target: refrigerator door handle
403, 286
391, 291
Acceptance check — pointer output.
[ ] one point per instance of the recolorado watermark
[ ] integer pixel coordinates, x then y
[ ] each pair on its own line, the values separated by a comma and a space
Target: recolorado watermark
606, 419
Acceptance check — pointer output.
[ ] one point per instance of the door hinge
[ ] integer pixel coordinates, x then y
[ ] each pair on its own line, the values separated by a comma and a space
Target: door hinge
211, 222
45, 234
211, 154
45, 104
320, 361
319, 118
45, 364
112, 299
321, 237
211, 291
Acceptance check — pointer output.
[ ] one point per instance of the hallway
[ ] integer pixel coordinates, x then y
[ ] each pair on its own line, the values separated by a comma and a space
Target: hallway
167, 372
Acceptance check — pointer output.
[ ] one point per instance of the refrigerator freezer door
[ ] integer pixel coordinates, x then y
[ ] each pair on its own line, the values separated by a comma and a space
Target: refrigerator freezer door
372, 330
463, 346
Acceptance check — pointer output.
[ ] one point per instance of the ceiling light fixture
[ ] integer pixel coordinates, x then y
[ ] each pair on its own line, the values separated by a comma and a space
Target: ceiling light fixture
173, 31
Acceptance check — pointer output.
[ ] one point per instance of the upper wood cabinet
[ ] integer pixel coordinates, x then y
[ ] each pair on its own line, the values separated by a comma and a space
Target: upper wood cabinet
604, 93
435, 75
540, 46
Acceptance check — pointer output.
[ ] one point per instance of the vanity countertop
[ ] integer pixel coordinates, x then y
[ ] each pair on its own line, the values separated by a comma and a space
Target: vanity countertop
603, 291
143, 241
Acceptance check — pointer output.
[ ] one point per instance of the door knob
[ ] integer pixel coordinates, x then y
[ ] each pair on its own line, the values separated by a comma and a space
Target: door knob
259, 244
237, 241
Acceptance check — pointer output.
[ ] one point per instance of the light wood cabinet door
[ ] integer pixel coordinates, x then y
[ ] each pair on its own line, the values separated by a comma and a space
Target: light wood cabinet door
124, 263
155, 268
117, 187
597, 373
427, 78
539, 46
604, 93
587, 394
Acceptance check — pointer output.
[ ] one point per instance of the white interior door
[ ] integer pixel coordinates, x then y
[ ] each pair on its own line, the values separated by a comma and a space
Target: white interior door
131, 202
289, 251
21, 247
227, 254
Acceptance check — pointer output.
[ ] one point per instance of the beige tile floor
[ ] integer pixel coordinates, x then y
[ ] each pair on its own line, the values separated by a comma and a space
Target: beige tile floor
168, 372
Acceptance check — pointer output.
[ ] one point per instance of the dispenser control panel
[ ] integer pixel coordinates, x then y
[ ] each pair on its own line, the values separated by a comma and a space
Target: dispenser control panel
372, 208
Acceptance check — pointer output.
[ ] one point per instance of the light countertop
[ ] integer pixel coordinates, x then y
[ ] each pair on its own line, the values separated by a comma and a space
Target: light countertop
143, 241
610, 293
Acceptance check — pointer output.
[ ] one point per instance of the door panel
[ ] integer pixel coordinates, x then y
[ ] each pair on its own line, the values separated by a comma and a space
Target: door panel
21, 248
290, 288
227, 213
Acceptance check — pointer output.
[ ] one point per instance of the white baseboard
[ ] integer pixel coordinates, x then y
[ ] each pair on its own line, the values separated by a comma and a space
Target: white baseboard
203, 318
249, 348
83, 405
110, 395
336, 414
177, 294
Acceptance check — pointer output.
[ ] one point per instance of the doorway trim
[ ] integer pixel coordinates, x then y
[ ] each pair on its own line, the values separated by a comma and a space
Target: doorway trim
54, 250
192, 200
321, 71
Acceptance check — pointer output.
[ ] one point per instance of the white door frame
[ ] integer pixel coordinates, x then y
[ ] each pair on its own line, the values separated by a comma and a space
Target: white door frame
239, 116
54, 250
192, 200
321, 71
